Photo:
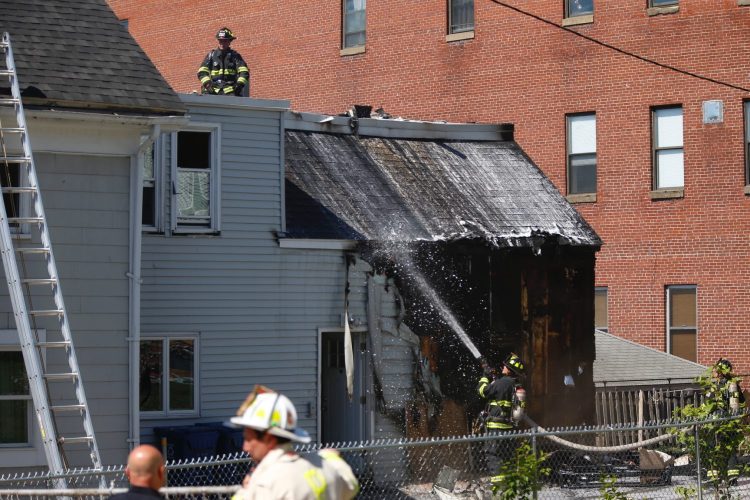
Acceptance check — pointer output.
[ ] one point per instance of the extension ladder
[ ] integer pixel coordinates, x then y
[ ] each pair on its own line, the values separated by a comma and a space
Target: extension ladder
31, 274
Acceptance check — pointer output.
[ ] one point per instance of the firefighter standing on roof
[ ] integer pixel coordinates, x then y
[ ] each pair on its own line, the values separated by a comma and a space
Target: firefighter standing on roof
499, 393
223, 71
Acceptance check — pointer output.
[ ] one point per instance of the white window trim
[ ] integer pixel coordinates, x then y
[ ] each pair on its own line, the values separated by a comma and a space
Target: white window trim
214, 180
31, 454
570, 154
668, 310
166, 413
605, 289
656, 148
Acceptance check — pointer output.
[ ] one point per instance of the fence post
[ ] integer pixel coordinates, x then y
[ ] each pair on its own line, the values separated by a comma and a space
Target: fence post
698, 461
536, 469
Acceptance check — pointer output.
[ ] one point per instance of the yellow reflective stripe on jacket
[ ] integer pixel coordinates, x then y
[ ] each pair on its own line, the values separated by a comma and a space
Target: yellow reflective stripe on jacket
242, 68
497, 479
219, 72
499, 425
203, 68
205, 79
483, 383
242, 80
317, 482
502, 402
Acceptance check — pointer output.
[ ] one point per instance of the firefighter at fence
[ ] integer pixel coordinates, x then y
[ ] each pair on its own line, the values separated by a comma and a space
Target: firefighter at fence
499, 393
270, 430
223, 71
727, 397
146, 473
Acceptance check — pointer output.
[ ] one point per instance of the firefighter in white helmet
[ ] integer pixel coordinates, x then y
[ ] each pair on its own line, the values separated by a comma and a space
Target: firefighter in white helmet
270, 430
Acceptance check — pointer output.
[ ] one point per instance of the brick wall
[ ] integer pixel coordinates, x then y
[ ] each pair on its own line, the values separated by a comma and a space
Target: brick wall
521, 70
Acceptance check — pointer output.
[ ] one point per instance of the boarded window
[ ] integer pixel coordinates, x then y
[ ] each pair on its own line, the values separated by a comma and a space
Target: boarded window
682, 321
600, 309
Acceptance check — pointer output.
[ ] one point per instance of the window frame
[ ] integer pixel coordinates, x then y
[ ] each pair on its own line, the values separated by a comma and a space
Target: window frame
598, 290
656, 149
157, 182
165, 412
662, 3
569, 155
214, 219
459, 32
345, 33
30, 453
668, 310
746, 121
568, 13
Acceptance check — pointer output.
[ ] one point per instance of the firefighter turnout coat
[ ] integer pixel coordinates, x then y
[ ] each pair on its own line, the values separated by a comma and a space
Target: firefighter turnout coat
283, 474
225, 70
499, 396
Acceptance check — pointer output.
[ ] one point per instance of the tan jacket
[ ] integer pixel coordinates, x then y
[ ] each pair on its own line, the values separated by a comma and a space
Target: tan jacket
284, 475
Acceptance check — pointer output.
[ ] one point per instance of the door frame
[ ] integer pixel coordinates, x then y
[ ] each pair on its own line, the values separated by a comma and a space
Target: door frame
367, 414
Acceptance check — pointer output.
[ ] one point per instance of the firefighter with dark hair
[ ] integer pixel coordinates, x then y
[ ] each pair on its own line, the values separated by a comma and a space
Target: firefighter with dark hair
223, 71
505, 403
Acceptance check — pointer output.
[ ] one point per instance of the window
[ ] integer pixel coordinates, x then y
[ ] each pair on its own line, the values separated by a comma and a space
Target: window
151, 212
581, 130
195, 181
662, 3
354, 23
747, 143
168, 375
460, 16
668, 151
600, 309
575, 8
682, 325
15, 399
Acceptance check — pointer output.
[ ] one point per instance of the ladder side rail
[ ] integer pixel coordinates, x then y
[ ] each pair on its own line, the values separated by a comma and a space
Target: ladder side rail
51, 267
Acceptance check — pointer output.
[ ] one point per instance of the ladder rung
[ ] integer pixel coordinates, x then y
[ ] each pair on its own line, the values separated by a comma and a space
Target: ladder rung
75, 440
47, 312
32, 250
25, 220
9, 100
12, 130
61, 376
16, 159
6, 72
19, 189
64, 343
64, 408
39, 281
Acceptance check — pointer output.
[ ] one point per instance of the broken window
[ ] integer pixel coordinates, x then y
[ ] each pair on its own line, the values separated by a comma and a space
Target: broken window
168, 369
581, 153
600, 309
575, 8
354, 23
195, 181
668, 156
682, 325
460, 16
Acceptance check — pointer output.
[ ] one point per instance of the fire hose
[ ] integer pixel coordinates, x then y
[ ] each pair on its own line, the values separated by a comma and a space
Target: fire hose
583, 447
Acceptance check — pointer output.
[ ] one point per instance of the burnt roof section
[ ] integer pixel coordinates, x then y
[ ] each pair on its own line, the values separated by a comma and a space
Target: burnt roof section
77, 54
401, 188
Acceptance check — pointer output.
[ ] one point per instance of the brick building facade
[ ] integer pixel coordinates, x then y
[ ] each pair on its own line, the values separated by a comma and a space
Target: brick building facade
640, 121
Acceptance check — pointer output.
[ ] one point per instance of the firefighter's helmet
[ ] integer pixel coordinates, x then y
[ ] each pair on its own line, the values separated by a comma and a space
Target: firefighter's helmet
514, 363
225, 34
723, 366
273, 413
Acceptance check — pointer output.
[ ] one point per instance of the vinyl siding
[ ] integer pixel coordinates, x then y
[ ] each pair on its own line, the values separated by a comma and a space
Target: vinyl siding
87, 203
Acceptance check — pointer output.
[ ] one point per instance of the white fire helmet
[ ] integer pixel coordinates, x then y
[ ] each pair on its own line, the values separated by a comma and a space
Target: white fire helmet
273, 413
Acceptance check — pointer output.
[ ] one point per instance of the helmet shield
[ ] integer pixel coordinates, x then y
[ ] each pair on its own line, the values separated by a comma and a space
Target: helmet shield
225, 34
273, 413
514, 363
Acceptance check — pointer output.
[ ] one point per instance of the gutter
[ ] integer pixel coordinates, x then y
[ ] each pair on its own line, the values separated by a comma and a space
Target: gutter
134, 286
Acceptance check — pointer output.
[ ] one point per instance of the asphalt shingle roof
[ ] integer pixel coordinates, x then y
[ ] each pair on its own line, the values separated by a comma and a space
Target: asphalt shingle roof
388, 189
76, 53
622, 362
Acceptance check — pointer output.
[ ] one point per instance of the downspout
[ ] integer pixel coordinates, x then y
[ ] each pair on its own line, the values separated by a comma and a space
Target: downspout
134, 275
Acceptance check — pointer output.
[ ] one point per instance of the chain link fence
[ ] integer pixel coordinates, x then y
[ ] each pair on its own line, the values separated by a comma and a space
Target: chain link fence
559, 463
